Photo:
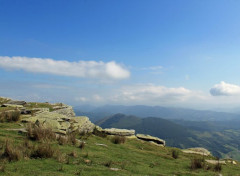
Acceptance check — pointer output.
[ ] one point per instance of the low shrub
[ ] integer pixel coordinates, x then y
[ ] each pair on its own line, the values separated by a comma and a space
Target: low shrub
217, 167
44, 150
175, 154
62, 140
40, 133
72, 138
108, 163
82, 145
12, 153
197, 163
10, 116
119, 139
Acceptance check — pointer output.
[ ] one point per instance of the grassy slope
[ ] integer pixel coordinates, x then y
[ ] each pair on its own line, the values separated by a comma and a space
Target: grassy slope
133, 158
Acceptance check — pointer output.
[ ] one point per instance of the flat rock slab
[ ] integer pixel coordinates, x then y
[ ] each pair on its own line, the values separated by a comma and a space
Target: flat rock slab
151, 139
197, 150
216, 161
15, 102
12, 105
119, 132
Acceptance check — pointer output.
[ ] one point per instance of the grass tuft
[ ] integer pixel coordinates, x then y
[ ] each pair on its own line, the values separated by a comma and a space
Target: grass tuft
12, 153
197, 163
40, 133
119, 139
108, 163
175, 154
44, 150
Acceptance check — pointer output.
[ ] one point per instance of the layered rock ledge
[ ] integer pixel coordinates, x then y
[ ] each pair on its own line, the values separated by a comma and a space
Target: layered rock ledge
151, 139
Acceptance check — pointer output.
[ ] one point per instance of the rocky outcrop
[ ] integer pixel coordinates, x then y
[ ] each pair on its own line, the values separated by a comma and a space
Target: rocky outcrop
15, 102
12, 105
119, 132
33, 110
151, 139
82, 124
197, 150
65, 110
60, 123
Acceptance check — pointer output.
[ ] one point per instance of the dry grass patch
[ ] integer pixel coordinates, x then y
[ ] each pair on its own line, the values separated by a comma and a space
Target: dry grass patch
10, 116
40, 133
11, 152
197, 163
119, 139
44, 150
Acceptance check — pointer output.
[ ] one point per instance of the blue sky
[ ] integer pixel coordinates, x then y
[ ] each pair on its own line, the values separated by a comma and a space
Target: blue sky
153, 52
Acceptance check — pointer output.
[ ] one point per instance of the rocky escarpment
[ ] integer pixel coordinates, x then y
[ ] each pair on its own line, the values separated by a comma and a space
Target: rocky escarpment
62, 120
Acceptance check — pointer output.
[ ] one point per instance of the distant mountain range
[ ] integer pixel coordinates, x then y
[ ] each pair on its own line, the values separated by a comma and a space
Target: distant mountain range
221, 140
96, 113
174, 134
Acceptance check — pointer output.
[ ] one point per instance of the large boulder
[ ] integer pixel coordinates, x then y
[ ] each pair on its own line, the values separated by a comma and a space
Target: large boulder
60, 123
151, 139
119, 132
65, 110
82, 124
197, 150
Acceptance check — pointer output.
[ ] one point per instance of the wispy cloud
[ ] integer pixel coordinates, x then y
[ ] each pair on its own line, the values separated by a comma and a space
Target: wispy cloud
82, 69
153, 68
154, 94
225, 89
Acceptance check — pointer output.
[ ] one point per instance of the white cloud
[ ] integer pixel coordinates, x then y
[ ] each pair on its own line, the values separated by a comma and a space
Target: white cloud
152, 94
81, 99
83, 69
225, 89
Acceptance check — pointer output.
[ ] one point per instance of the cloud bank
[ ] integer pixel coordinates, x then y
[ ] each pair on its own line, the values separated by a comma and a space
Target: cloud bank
153, 94
225, 89
82, 69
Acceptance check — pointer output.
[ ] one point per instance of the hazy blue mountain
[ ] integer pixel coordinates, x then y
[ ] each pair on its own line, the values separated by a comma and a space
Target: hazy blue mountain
155, 111
173, 133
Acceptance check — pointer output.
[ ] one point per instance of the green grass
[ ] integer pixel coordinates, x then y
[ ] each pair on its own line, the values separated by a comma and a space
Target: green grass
40, 105
134, 157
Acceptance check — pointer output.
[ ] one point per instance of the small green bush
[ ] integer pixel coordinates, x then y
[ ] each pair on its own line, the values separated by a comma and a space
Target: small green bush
218, 167
12, 153
119, 139
10, 116
44, 150
175, 154
40, 133
197, 163
108, 163
82, 145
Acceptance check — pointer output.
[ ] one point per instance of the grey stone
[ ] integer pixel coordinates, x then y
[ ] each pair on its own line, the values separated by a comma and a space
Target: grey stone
120, 132
151, 139
197, 150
